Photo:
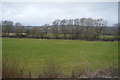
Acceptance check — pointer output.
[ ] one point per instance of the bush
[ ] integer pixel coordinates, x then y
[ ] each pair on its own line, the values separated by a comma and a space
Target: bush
80, 70
13, 69
111, 72
50, 70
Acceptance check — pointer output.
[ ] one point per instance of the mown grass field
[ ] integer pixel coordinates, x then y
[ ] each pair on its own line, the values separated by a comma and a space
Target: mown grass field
67, 53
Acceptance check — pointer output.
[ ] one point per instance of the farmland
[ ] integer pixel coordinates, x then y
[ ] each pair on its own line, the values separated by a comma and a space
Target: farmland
67, 53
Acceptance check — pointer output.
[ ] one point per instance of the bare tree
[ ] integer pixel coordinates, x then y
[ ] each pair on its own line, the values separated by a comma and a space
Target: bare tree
71, 29
45, 29
7, 27
35, 32
63, 27
19, 29
91, 28
28, 32
42, 34
77, 29
99, 27
55, 28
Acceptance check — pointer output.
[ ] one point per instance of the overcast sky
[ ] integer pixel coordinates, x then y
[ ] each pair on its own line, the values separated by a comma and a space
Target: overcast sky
39, 13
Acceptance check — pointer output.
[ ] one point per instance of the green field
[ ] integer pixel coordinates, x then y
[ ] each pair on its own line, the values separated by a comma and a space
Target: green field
67, 53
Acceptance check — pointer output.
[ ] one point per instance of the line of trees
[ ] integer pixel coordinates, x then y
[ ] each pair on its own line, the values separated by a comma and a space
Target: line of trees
84, 28
8, 29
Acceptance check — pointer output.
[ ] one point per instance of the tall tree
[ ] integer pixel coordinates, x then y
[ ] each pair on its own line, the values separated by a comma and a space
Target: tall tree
46, 30
55, 28
19, 29
7, 27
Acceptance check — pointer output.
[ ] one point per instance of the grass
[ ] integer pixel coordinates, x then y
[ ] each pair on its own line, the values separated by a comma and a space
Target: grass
67, 53
0, 57
108, 36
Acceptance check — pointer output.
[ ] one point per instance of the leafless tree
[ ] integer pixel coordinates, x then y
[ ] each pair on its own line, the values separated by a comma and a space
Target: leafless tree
7, 27
19, 29
45, 29
41, 29
77, 29
28, 32
63, 27
71, 29
99, 27
35, 32
55, 28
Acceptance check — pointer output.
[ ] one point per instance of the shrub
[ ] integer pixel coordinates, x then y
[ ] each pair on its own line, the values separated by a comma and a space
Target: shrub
80, 70
50, 70
13, 69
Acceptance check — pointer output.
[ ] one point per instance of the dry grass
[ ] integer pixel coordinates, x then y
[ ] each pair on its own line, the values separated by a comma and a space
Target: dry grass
111, 72
51, 69
14, 70
80, 70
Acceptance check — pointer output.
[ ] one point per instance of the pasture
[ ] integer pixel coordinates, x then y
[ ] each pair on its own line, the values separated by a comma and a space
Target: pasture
67, 53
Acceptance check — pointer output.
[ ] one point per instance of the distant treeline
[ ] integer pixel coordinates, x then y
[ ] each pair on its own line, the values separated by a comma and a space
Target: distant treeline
83, 29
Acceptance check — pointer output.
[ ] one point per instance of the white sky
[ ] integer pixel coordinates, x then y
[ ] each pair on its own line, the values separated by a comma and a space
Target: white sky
39, 13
